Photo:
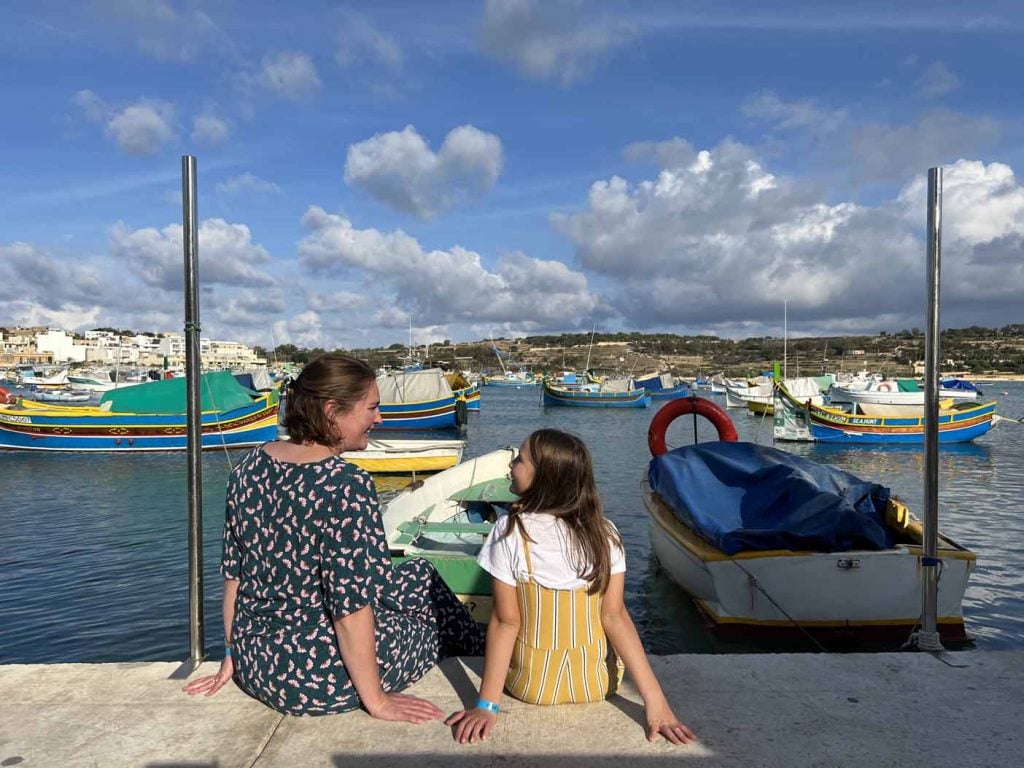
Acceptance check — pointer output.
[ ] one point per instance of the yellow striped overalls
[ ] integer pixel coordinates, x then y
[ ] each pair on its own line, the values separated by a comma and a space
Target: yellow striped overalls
561, 653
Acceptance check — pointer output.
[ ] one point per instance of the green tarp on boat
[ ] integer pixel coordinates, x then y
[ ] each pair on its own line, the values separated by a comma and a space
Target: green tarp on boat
220, 392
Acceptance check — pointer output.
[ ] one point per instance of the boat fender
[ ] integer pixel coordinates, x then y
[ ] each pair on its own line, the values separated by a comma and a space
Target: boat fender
7, 398
883, 387
682, 406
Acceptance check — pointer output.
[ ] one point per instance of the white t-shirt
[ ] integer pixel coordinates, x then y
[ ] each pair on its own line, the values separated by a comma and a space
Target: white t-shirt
550, 550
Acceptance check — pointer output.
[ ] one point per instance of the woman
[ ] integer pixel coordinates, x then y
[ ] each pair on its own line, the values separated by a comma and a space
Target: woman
317, 620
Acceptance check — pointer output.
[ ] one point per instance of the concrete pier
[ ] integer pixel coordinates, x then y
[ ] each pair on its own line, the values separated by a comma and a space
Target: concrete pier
905, 709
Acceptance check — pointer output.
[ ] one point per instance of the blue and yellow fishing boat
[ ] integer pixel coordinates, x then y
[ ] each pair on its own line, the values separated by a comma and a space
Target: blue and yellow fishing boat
416, 400
146, 417
959, 422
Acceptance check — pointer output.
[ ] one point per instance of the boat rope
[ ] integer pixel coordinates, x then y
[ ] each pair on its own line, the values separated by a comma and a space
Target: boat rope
752, 580
223, 442
764, 415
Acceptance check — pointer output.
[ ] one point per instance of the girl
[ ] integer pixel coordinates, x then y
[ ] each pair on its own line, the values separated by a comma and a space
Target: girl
559, 571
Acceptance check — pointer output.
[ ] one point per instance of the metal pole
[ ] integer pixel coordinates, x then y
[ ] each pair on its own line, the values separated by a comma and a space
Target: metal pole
193, 412
928, 638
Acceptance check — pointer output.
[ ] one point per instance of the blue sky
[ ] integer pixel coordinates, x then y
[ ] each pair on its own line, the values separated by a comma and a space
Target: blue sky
510, 167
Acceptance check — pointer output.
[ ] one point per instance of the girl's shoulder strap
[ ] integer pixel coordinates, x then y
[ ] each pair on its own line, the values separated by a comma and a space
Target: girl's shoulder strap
525, 540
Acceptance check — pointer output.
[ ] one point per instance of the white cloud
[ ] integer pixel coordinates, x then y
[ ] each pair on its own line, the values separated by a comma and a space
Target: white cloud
869, 150
92, 106
360, 42
210, 130
227, 255
556, 40
247, 183
439, 287
722, 238
159, 29
803, 113
143, 128
399, 169
290, 75
937, 80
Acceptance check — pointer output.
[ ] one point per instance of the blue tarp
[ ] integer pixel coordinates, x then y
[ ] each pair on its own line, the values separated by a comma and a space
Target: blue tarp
959, 384
744, 496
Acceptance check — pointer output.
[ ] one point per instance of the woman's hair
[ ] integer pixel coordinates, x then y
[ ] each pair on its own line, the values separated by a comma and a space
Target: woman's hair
563, 486
332, 377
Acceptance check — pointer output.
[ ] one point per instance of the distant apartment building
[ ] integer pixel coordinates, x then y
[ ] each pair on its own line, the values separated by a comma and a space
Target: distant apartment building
54, 346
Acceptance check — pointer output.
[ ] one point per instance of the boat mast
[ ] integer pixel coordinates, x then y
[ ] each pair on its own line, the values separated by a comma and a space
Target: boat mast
785, 338
591, 349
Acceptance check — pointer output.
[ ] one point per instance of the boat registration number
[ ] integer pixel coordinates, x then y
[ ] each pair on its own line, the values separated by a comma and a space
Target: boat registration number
17, 419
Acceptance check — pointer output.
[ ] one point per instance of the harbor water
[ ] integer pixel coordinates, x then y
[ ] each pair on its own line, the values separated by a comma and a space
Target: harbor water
93, 547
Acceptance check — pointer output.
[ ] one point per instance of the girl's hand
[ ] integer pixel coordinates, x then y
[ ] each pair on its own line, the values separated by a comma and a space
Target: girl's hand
210, 684
401, 707
663, 721
471, 725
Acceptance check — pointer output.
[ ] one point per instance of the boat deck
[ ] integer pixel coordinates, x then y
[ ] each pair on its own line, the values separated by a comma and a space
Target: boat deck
748, 710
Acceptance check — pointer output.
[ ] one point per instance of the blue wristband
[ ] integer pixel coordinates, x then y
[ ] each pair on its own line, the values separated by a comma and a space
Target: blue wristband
489, 706
227, 651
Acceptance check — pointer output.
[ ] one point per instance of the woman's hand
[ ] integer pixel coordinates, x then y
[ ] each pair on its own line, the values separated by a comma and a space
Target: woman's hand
210, 684
403, 708
471, 725
662, 720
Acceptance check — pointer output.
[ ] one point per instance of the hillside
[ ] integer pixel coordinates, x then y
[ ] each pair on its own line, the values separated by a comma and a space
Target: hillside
969, 351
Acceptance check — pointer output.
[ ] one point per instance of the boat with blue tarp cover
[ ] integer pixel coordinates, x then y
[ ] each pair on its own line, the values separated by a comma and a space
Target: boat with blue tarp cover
662, 386
768, 543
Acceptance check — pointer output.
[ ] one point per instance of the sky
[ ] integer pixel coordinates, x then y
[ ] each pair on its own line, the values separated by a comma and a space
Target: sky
510, 167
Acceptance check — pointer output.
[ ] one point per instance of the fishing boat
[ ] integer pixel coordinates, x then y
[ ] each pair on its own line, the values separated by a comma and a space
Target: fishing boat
147, 417
464, 390
446, 520
771, 544
386, 456
416, 400
59, 396
662, 386
901, 392
959, 422
609, 394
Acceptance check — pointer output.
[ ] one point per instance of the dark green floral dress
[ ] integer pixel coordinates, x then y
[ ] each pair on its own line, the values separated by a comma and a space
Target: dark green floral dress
306, 543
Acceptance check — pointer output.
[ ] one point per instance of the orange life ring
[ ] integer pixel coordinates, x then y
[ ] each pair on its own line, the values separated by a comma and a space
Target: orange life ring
680, 407
884, 387
7, 398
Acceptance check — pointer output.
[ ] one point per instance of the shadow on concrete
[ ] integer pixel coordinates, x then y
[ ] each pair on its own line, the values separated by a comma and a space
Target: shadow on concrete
454, 671
474, 759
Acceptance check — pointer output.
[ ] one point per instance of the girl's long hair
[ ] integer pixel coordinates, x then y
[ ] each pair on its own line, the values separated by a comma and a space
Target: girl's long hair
563, 486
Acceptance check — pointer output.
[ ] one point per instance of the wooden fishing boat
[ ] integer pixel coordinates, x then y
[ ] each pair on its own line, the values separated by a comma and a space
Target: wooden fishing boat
959, 422
446, 520
595, 396
416, 400
147, 417
662, 386
385, 456
771, 544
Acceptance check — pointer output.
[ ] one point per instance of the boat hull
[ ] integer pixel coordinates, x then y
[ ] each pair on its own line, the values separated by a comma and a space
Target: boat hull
860, 594
638, 398
432, 522
426, 414
407, 456
955, 426
56, 428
